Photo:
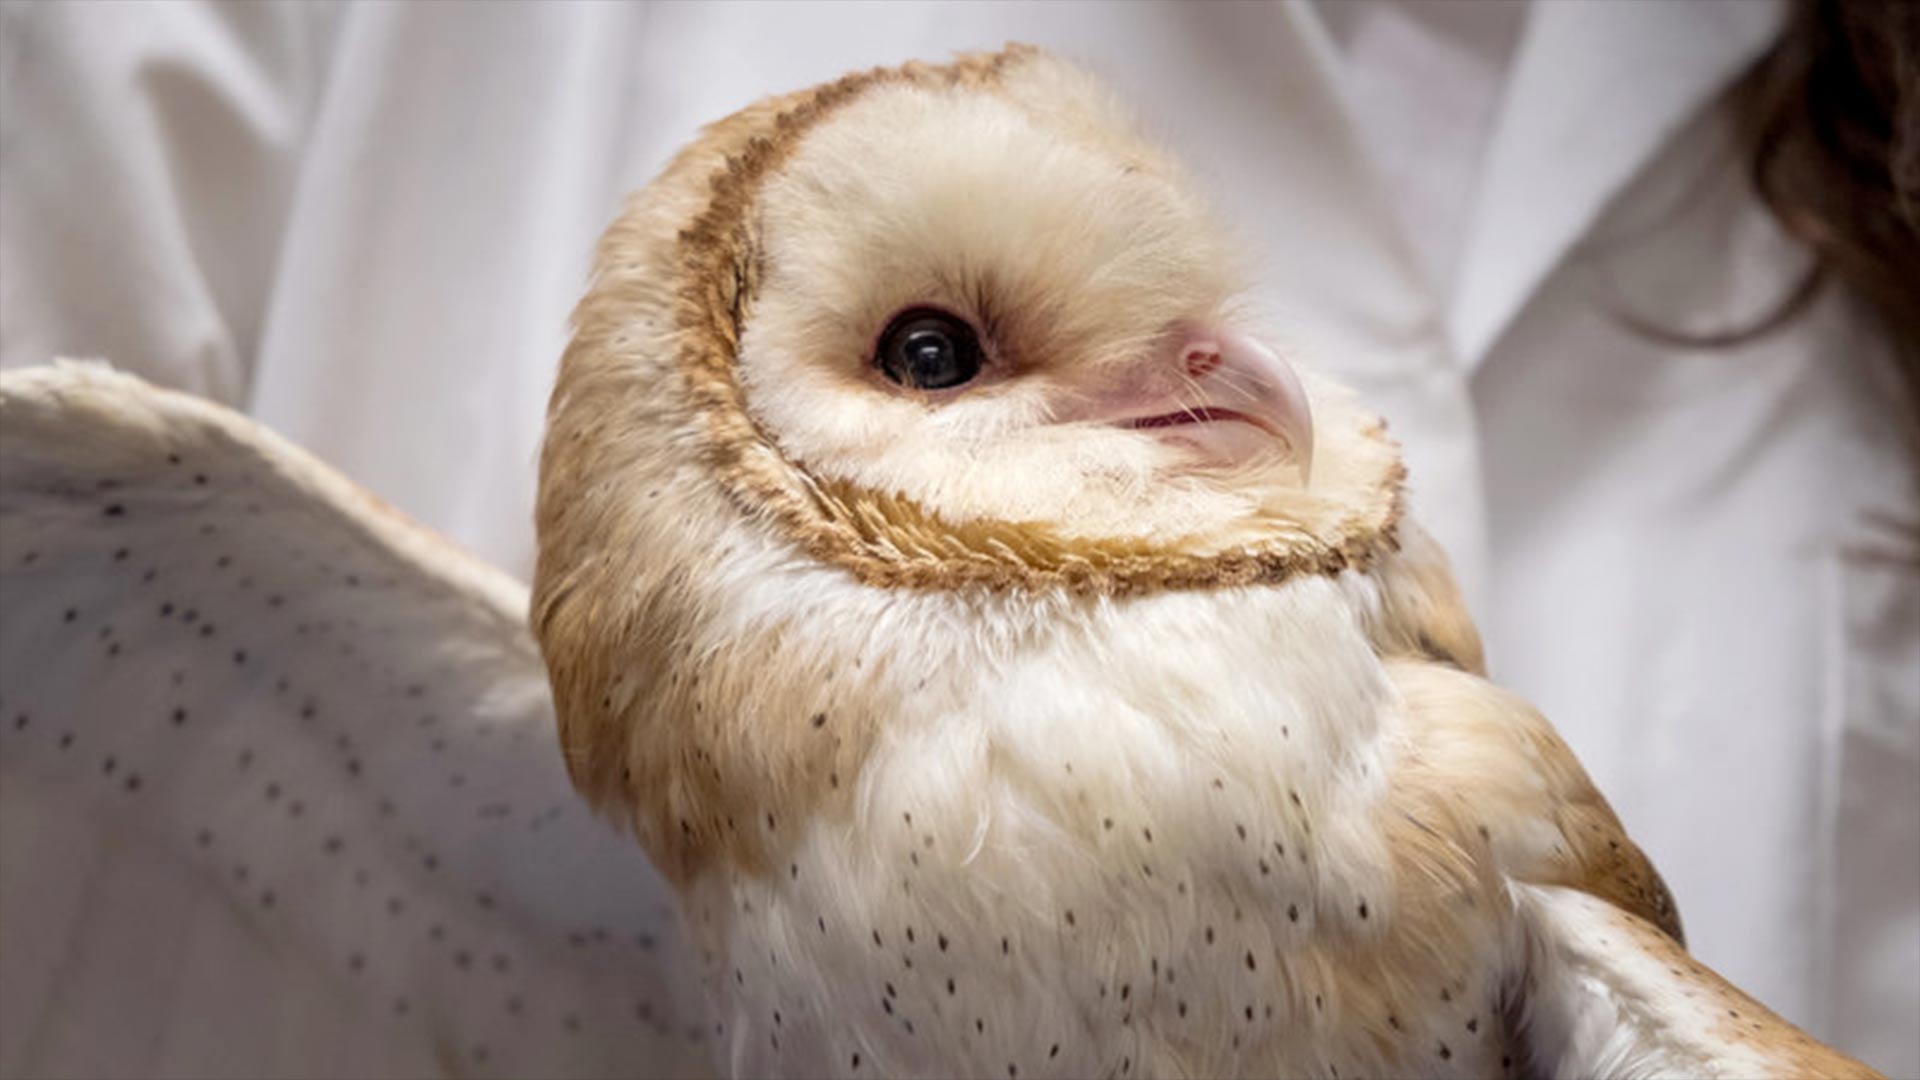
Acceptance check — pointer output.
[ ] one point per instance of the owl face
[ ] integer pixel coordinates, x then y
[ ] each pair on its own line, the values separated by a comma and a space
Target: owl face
1005, 307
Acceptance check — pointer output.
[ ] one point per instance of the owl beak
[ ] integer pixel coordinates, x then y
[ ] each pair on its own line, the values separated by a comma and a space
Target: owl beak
1220, 393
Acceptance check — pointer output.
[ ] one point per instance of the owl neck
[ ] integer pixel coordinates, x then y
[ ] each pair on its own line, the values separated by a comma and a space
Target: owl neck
735, 712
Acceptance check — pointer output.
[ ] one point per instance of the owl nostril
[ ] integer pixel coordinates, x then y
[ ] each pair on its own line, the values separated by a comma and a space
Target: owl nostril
1200, 359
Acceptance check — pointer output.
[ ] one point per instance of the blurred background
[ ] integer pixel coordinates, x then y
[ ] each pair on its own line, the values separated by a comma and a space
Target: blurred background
1634, 283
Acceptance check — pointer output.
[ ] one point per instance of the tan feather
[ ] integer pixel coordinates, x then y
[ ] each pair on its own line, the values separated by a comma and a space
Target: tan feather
928, 756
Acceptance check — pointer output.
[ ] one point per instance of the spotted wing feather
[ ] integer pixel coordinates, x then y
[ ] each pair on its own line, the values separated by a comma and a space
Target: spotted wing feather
281, 794
1602, 984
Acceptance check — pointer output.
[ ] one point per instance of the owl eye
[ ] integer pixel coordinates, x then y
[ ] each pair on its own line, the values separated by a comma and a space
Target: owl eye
928, 349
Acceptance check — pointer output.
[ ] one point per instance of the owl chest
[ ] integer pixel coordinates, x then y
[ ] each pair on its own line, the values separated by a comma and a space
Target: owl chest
1118, 900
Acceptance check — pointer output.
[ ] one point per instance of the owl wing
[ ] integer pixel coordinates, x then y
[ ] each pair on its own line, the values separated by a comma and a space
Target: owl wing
1604, 985
281, 791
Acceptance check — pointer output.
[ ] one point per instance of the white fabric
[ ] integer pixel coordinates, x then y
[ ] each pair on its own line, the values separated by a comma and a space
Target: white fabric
369, 224
1423, 82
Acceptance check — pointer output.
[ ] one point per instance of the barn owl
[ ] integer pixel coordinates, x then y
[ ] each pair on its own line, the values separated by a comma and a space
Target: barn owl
1020, 669
1010, 663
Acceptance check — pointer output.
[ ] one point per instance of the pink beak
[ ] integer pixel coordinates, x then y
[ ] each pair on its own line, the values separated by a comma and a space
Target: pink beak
1218, 392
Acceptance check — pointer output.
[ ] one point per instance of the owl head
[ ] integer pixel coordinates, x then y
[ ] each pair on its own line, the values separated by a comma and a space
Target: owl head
971, 303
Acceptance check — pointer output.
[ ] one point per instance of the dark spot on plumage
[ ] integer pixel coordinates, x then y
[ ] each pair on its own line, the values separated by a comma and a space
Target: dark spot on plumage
115, 510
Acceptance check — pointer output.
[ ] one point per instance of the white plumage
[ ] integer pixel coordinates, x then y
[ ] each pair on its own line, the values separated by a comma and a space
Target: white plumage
279, 795
1020, 669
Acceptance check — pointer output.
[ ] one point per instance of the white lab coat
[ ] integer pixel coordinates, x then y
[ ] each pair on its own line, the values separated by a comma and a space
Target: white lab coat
368, 225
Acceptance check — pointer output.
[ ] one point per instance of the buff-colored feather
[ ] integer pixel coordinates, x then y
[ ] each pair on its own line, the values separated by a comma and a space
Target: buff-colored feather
981, 740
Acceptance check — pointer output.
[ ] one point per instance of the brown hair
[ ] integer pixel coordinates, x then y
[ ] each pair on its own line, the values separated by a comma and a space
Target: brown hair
1833, 121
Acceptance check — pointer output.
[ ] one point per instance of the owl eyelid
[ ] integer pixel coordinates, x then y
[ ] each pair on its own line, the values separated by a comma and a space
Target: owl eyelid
930, 308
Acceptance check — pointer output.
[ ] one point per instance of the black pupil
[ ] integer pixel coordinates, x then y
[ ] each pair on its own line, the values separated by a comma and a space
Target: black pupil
929, 350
